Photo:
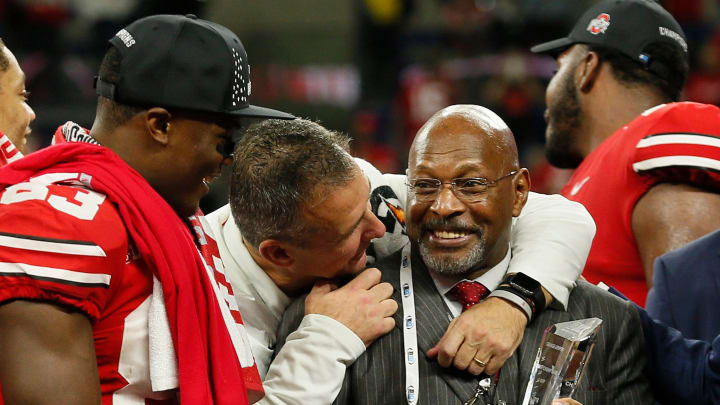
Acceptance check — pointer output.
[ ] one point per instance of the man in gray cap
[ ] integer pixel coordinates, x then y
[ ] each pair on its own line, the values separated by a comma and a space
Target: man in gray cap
105, 293
647, 166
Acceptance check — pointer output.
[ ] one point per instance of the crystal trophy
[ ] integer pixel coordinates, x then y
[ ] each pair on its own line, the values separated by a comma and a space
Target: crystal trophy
561, 358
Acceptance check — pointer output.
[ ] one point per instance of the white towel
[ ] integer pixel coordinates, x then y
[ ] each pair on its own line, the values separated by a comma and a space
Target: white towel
163, 359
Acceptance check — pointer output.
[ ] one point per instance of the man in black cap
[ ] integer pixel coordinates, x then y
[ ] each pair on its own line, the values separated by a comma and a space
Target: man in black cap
105, 294
647, 166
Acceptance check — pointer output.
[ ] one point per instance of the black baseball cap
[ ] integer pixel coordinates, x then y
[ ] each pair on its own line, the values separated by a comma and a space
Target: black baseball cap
176, 61
628, 26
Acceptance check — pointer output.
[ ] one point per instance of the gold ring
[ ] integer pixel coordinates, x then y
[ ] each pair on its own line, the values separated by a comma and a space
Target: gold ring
479, 362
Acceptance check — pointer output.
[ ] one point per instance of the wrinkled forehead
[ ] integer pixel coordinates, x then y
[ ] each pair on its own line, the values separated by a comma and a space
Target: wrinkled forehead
335, 209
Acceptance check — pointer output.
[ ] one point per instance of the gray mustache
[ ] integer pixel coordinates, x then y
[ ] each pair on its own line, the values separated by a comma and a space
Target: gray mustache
442, 224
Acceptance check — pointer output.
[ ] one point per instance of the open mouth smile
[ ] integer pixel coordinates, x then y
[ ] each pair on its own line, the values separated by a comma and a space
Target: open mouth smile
449, 234
449, 238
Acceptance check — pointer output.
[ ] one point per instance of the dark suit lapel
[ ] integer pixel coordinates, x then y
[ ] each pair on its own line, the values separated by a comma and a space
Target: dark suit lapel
430, 309
509, 383
433, 319
433, 316
714, 266
392, 276
515, 374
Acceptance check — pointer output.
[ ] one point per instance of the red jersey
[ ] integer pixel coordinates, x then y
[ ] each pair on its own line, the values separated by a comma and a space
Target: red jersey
677, 142
67, 244
81, 256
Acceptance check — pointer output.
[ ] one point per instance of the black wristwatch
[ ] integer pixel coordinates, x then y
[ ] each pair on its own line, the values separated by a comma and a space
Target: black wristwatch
526, 288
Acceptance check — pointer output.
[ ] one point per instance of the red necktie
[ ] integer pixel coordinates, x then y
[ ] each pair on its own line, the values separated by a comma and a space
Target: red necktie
468, 293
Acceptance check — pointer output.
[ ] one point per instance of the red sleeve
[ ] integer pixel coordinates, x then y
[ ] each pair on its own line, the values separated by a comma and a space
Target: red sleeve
681, 145
65, 245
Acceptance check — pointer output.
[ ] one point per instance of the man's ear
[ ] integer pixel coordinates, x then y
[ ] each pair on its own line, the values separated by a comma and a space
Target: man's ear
521, 188
276, 252
158, 124
587, 71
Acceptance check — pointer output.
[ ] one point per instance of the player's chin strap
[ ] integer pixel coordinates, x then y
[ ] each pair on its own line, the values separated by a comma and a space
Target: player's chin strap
412, 373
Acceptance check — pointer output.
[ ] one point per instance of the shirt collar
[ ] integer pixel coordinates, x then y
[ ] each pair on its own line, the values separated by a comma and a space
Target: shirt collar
275, 299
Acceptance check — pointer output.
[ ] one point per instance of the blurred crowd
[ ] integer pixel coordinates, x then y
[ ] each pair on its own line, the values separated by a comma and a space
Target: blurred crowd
396, 73
106, 253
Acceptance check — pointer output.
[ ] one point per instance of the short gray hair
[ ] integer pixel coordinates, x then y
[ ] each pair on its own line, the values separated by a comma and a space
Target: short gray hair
279, 166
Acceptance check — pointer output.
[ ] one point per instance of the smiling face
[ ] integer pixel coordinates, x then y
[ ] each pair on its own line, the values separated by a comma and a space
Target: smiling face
194, 157
456, 237
342, 225
15, 113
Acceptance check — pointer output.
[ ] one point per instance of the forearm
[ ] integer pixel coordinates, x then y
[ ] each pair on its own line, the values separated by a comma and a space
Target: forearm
550, 242
310, 367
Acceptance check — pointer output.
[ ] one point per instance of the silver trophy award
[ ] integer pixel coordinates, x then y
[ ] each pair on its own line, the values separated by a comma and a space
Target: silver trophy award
563, 353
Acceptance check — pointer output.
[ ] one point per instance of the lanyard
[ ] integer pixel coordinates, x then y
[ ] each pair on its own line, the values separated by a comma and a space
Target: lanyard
409, 327
412, 372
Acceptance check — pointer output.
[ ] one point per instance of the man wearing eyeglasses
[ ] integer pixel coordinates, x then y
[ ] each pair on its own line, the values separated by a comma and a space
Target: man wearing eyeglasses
465, 188
301, 209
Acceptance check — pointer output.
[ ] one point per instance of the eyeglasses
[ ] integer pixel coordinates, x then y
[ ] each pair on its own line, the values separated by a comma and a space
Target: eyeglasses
468, 189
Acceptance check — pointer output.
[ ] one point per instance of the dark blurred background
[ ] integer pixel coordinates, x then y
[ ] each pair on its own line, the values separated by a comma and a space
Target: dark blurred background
374, 69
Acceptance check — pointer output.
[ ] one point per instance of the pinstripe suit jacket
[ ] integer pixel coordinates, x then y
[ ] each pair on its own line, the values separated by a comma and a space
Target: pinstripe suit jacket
613, 375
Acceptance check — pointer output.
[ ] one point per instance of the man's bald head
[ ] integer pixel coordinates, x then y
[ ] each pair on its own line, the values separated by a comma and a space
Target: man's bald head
475, 120
465, 188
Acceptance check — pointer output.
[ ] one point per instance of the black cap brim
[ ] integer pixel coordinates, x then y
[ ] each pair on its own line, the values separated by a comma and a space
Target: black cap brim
553, 47
253, 111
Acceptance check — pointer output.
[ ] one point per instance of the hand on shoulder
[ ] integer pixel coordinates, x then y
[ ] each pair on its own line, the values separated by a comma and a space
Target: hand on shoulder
364, 304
